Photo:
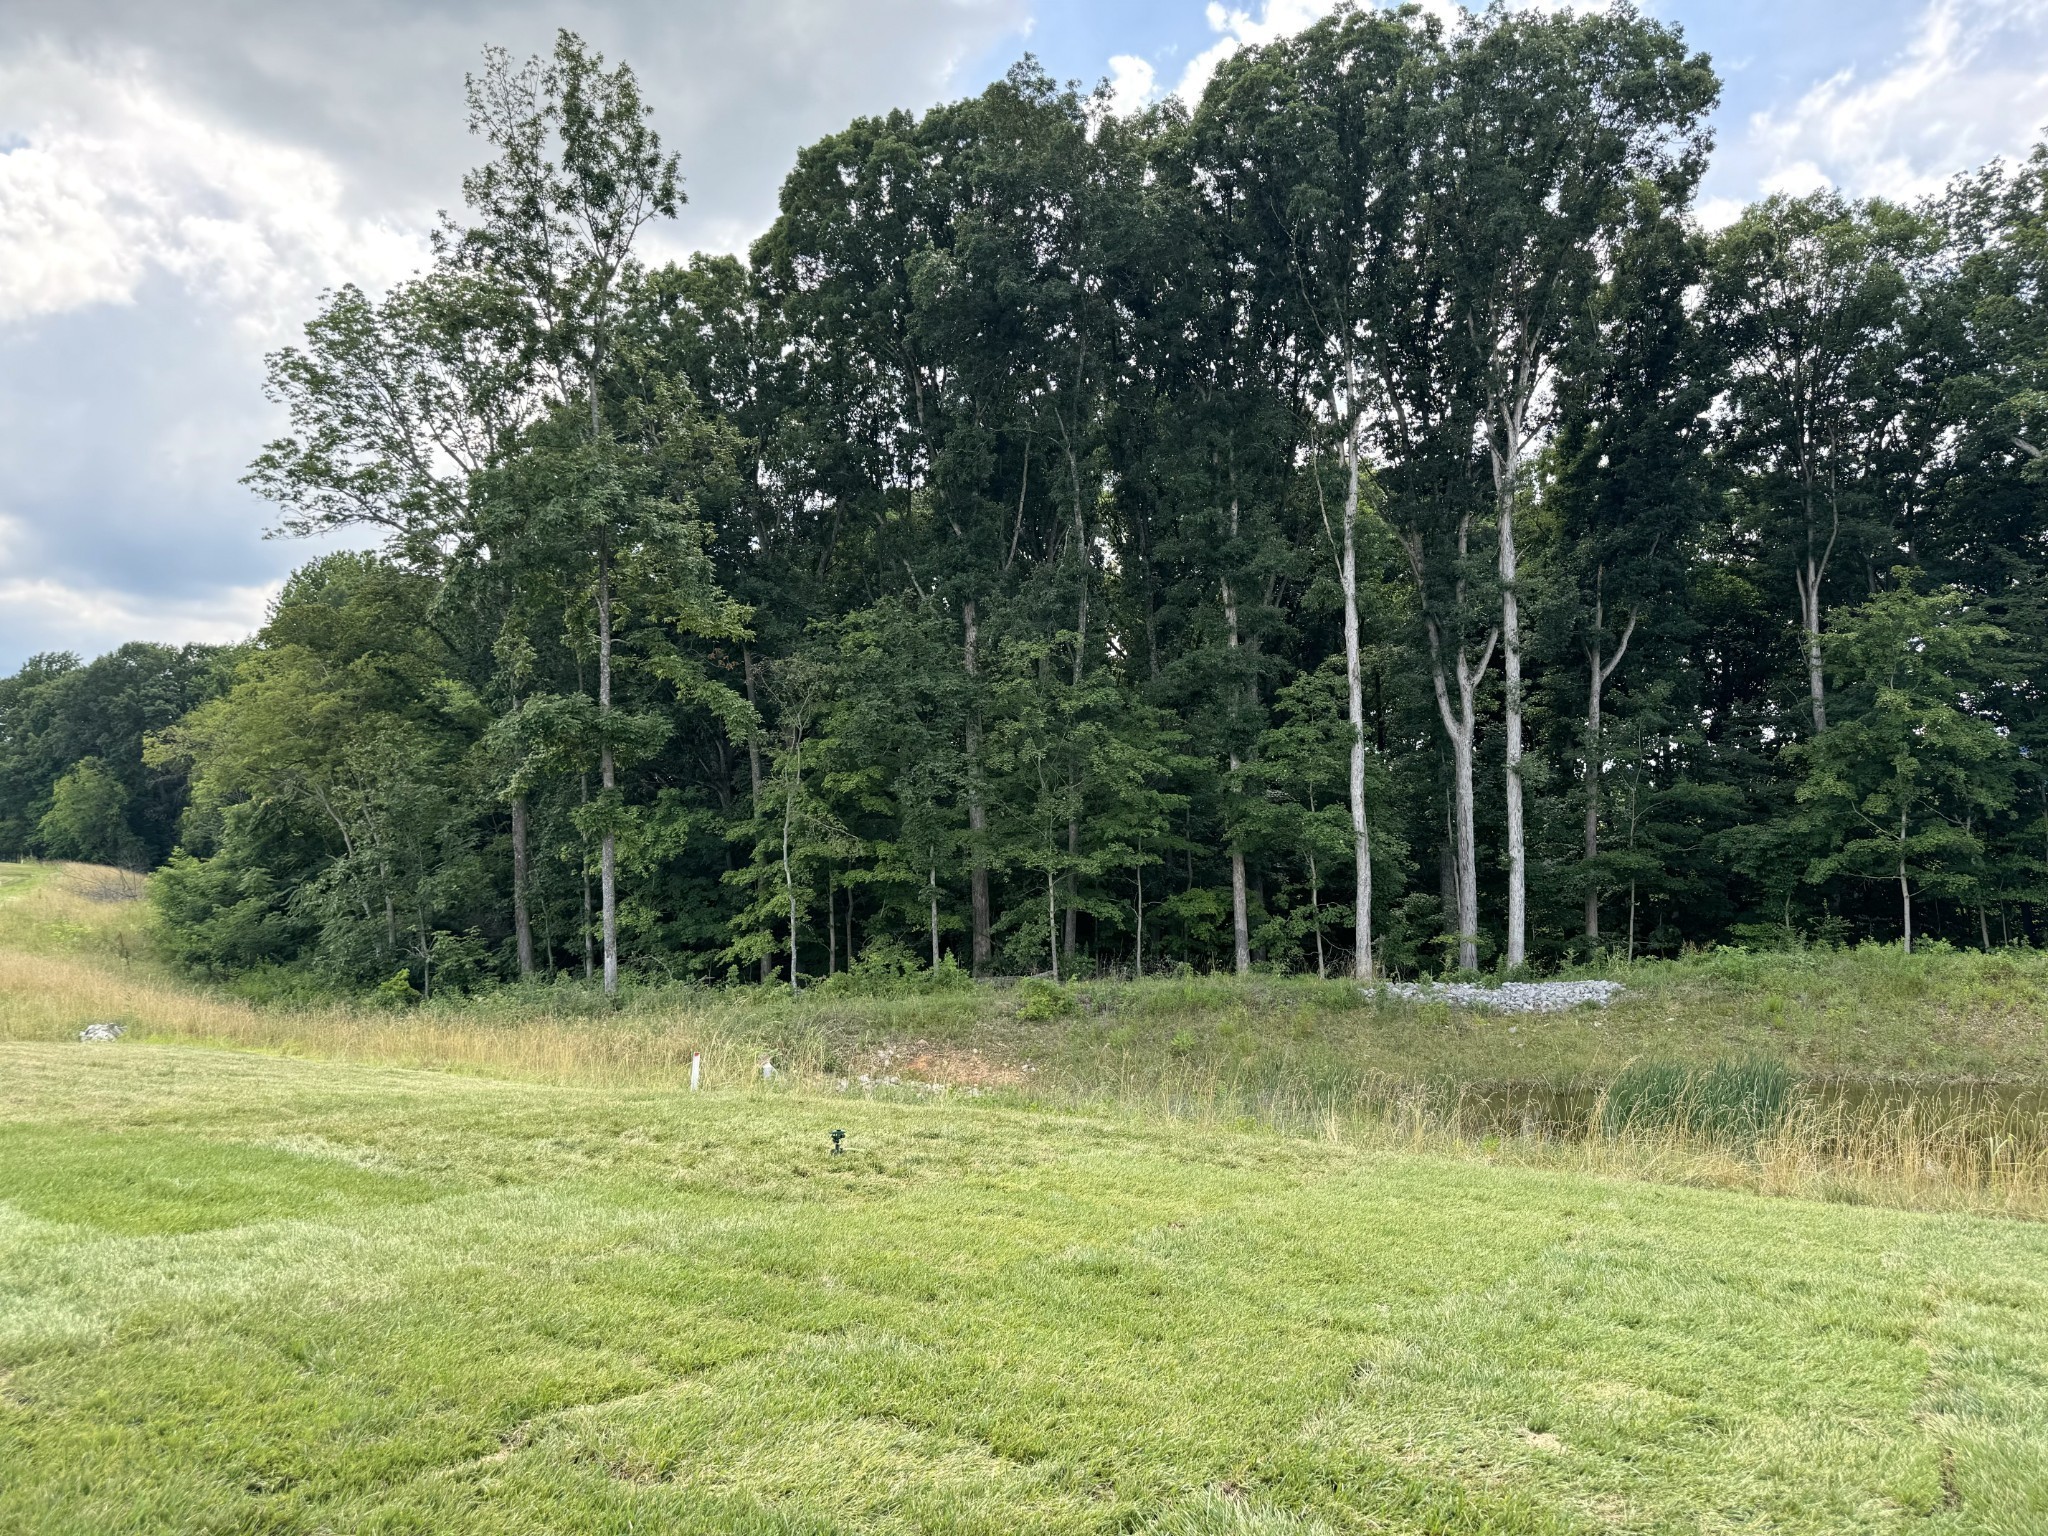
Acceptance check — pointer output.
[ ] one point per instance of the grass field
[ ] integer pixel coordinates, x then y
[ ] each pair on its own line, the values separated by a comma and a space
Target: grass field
245, 1294
1182, 1257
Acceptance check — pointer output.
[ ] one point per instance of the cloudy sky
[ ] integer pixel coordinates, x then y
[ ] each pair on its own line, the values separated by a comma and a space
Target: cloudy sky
179, 182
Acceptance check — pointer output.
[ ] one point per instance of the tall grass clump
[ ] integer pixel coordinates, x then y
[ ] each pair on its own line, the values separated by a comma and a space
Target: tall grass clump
1738, 1099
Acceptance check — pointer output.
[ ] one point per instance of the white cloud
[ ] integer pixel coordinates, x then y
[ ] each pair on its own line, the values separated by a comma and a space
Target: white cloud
1132, 83
1971, 84
1716, 213
111, 178
46, 615
1238, 29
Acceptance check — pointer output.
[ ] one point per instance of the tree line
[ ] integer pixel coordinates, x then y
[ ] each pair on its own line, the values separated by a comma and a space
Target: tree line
1359, 523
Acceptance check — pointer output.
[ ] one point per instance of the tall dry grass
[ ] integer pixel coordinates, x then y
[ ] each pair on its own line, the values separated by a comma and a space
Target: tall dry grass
52, 997
1930, 1150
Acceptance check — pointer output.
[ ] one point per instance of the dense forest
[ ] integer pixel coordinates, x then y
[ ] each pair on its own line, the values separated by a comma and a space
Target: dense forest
1360, 523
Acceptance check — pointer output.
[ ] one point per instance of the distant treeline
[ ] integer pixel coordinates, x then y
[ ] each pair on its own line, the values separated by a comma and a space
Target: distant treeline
73, 783
1361, 523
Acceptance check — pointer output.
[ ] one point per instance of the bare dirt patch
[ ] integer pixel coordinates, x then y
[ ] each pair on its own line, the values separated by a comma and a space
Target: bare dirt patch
946, 1066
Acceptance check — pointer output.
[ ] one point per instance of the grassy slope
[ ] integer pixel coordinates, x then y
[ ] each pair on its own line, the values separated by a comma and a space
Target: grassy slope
69, 954
239, 1293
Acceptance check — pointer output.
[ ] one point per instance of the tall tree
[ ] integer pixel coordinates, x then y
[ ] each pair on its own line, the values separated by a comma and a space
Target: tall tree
1557, 126
1310, 139
1904, 782
553, 219
1809, 297
1631, 468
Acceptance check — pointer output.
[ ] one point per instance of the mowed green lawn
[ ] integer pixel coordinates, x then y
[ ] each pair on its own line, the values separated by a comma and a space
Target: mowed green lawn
240, 1293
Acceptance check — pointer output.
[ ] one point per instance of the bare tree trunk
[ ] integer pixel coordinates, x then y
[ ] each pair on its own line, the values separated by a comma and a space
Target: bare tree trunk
1315, 910
607, 854
977, 811
1080, 658
1052, 923
753, 749
1599, 669
1354, 695
522, 925
1240, 917
1809, 576
1809, 613
1467, 851
934, 888
831, 927
1139, 951
589, 956
1447, 868
1905, 890
1511, 669
789, 884
1240, 925
1071, 931
1593, 786
1459, 725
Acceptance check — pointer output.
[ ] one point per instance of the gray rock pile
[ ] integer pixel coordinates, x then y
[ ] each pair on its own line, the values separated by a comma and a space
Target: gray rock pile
1509, 996
93, 1032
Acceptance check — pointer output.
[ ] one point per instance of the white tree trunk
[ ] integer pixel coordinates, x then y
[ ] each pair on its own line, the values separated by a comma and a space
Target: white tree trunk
753, 752
1139, 952
1052, 923
789, 883
977, 812
1459, 726
1599, 669
1240, 917
1511, 667
1593, 782
1809, 580
607, 856
1240, 925
1354, 694
1809, 576
522, 922
1467, 867
1315, 911
1905, 890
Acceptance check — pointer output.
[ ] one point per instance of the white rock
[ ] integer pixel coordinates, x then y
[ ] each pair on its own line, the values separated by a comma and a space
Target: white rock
103, 1031
1509, 996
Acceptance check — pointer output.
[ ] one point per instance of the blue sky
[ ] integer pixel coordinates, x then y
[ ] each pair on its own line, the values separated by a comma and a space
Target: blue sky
179, 183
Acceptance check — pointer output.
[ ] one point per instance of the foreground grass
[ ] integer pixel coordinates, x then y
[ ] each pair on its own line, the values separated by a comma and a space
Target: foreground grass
240, 1293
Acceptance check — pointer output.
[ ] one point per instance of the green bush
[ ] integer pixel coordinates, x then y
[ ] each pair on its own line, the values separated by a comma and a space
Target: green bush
887, 969
1043, 1000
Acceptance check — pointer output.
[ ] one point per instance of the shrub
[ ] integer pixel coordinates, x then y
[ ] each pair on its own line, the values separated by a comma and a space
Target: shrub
1043, 1000
887, 969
